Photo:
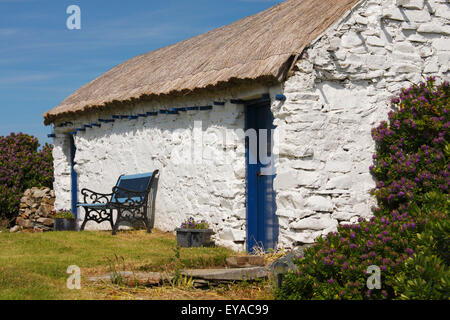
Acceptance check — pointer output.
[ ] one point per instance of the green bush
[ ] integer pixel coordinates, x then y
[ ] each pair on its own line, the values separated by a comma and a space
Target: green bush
22, 166
64, 215
408, 237
426, 275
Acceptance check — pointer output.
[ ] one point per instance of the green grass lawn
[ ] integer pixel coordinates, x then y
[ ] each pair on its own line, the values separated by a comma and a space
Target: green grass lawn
33, 266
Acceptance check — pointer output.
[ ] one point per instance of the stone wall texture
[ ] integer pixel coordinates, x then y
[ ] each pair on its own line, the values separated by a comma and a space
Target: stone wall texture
200, 155
340, 89
35, 214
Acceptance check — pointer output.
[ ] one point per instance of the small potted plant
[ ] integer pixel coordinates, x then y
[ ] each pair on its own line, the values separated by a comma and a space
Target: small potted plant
194, 234
64, 221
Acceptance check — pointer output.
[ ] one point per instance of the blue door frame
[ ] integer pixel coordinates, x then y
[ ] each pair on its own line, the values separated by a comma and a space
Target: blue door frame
74, 176
262, 221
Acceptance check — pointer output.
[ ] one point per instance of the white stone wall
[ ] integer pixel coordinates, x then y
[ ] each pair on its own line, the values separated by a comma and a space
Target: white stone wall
200, 156
341, 89
61, 165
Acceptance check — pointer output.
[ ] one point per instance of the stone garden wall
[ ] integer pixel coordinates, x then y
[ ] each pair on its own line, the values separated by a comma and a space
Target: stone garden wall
341, 89
36, 208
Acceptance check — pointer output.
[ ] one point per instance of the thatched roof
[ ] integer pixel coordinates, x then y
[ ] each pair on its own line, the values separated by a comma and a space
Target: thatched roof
260, 47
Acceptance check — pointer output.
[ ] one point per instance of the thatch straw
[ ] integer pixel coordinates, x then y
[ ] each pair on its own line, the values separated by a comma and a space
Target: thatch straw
260, 47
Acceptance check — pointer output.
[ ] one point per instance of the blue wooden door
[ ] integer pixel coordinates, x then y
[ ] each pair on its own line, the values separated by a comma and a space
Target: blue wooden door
74, 177
262, 222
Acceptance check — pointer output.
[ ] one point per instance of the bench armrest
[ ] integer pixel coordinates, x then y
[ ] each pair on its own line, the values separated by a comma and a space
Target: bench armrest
90, 196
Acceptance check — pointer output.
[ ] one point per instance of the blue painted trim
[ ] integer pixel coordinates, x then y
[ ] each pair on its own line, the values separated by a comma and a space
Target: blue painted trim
74, 178
180, 109
123, 117
96, 125
280, 97
142, 115
64, 124
152, 114
262, 222
192, 108
51, 135
132, 117
73, 133
115, 117
167, 112
106, 120
218, 103
87, 126
263, 98
204, 108
251, 189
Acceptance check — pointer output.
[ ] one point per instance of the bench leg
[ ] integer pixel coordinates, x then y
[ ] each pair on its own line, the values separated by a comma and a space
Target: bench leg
115, 226
120, 218
147, 225
83, 225
111, 222
86, 218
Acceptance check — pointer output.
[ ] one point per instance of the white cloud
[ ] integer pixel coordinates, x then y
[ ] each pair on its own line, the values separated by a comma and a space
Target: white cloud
20, 79
6, 32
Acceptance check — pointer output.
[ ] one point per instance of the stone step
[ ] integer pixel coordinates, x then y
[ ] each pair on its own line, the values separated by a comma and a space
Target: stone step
245, 261
201, 277
234, 274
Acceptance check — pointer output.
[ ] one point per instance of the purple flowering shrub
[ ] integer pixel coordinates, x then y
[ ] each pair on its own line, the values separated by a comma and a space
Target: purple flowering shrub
22, 166
410, 159
335, 267
408, 237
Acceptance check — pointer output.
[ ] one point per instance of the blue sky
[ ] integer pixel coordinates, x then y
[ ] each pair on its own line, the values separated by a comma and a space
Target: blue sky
42, 62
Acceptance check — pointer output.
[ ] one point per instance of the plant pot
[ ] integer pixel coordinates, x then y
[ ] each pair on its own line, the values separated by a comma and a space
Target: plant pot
65, 225
188, 238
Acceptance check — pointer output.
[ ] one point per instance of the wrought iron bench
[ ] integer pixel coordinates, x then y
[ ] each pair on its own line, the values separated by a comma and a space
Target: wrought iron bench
133, 198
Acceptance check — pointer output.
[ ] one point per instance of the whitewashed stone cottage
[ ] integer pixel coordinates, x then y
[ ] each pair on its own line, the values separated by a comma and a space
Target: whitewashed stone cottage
321, 73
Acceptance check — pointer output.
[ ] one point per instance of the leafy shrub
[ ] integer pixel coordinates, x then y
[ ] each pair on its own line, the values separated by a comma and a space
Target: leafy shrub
408, 237
22, 166
426, 275
335, 267
64, 215
411, 157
